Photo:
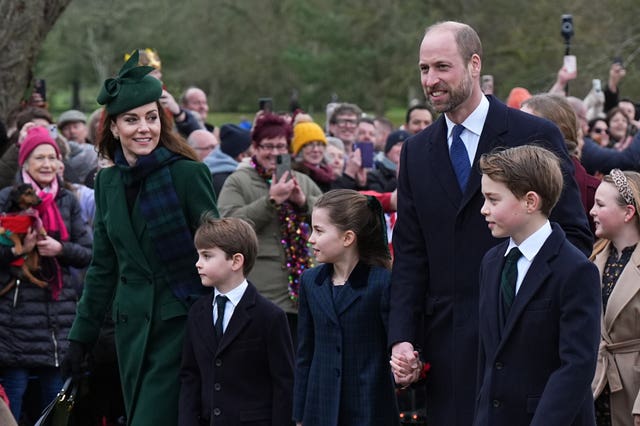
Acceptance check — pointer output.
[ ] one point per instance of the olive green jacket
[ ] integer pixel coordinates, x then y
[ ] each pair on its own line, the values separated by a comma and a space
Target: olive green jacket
246, 195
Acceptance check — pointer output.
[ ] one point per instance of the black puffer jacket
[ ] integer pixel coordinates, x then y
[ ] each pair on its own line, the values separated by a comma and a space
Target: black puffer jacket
33, 327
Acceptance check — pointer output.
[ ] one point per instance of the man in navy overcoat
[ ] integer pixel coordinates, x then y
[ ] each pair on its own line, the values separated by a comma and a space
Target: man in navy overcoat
440, 236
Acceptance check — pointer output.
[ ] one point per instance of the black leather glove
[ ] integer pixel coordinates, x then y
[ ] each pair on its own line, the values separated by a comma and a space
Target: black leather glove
75, 362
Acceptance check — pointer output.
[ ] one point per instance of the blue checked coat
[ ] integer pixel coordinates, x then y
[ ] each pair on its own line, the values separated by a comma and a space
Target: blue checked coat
342, 364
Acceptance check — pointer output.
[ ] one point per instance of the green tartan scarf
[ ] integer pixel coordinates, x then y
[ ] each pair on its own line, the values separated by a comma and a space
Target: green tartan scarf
160, 207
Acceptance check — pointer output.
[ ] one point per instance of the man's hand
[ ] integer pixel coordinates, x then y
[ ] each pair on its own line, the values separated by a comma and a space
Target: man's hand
405, 363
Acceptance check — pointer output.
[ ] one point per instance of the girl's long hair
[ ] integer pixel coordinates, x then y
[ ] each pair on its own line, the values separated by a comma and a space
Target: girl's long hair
350, 210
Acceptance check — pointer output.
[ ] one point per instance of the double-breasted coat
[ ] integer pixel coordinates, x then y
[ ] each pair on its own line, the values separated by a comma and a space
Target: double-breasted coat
439, 240
619, 356
342, 365
125, 270
536, 368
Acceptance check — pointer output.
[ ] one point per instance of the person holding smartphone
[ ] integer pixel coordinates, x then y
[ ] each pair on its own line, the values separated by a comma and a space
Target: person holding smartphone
279, 208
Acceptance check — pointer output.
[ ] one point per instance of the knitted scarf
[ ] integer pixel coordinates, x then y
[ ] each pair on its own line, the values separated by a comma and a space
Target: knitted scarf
52, 221
294, 233
160, 207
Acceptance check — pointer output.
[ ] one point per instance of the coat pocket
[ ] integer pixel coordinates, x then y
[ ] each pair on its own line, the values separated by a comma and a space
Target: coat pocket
172, 309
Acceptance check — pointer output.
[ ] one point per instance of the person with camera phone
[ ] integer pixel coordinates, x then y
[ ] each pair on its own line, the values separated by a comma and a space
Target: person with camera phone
278, 202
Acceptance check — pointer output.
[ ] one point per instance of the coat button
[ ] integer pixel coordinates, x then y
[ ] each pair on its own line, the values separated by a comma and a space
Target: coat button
123, 279
218, 362
124, 317
338, 349
499, 365
217, 387
496, 403
337, 372
216, 412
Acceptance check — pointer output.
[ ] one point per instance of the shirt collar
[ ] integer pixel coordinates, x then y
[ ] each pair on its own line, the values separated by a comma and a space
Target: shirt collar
234, 295
475, 121
532, 245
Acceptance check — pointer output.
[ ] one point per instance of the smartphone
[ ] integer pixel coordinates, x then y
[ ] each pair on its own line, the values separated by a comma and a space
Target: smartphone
597, 85
366, 153
283, 164
40, 87
265, 104
53, 131
487, 84
570, 63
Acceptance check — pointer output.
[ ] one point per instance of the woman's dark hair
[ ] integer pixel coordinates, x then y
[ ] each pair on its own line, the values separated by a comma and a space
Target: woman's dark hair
592, 123
350, 210
269, 126
169, 139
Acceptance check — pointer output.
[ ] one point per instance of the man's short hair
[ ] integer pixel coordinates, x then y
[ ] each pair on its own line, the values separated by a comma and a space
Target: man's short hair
526, 168
344, 109
418, 106
231, 235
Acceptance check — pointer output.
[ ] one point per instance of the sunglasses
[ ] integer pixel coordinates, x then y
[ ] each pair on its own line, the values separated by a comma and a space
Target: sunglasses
599, 130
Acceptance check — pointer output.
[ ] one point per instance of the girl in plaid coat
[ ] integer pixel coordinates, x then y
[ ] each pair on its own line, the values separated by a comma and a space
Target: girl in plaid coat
343, 375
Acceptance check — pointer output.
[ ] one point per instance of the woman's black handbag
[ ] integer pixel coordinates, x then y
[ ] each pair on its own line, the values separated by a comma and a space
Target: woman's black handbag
58, 412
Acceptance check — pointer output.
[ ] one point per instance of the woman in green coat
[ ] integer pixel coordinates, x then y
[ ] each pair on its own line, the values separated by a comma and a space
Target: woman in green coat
147, 208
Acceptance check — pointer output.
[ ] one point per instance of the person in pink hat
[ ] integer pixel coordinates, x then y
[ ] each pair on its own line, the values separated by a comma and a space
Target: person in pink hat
35, 321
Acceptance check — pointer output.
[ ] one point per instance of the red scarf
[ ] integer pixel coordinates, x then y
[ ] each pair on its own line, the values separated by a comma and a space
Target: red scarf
48, 209
54, 225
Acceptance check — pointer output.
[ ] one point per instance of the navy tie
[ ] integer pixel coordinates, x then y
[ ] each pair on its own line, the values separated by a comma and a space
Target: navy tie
460, 157
509, 278
221, 301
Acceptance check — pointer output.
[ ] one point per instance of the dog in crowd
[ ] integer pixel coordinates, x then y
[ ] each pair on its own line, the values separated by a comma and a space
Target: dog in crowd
21, 211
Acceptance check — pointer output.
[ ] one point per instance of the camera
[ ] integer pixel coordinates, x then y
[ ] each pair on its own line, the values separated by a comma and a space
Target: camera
566, 28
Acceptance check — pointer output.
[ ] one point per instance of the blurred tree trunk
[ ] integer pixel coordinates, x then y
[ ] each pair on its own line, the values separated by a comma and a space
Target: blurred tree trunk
24, 24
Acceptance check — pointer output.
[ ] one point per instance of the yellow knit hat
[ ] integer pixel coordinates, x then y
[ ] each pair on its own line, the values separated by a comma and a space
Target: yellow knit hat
305, 132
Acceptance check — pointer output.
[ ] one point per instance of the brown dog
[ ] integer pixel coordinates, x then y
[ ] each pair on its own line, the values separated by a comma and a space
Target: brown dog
23, 200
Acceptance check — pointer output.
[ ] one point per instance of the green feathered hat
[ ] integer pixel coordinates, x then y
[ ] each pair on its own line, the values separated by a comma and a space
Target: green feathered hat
131, 88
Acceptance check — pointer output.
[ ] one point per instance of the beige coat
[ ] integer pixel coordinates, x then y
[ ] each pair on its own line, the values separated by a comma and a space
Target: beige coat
619, 356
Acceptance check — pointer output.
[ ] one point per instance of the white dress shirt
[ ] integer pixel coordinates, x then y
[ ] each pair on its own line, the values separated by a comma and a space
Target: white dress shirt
473, 126
529, 249
234, 297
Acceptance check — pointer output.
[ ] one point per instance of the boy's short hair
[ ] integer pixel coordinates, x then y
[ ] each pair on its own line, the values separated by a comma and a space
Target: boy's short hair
526, 168
231, 235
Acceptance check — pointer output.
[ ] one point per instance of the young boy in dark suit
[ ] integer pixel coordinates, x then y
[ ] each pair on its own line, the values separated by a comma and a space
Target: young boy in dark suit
237, 363
539, 301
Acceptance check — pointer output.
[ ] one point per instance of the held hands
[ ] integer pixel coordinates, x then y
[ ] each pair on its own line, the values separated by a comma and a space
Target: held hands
287, 188
405, 365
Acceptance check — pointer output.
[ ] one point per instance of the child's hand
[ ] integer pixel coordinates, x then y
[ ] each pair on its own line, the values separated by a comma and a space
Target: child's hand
405, 372
636, 420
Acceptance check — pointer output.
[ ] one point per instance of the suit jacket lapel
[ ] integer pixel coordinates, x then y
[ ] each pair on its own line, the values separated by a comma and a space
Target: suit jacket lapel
494, 127
117, 202
439, 157
240, 318
322, 292
625, 289
348, 296
205, 317
537, 274
493, 269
